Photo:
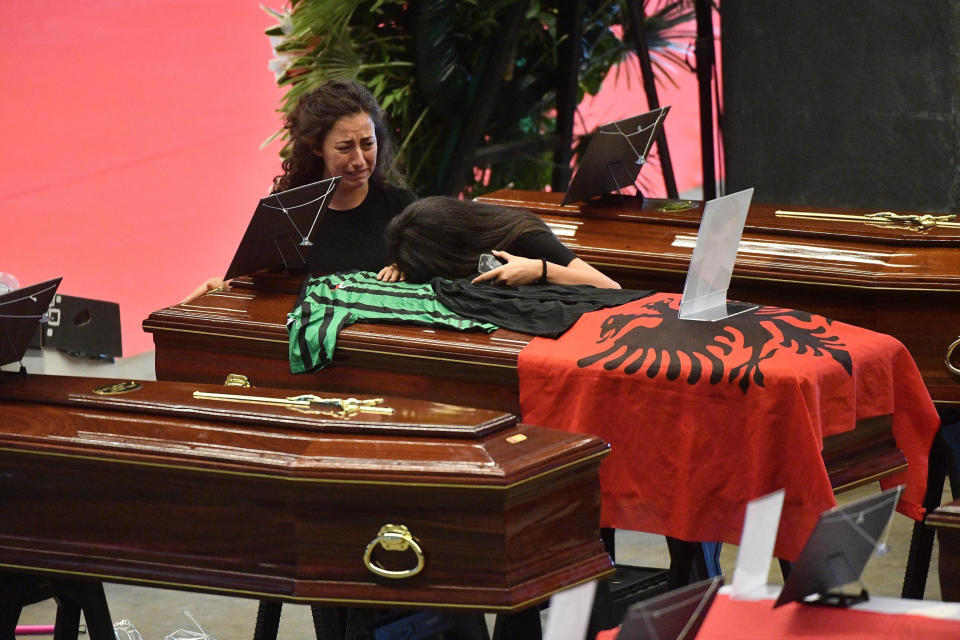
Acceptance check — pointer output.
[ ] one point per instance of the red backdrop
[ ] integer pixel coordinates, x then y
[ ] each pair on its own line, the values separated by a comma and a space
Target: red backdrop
130, 154
130, 143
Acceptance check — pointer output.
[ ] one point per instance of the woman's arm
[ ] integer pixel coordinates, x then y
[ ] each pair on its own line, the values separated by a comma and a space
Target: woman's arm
210, 285
519, 271
579, 272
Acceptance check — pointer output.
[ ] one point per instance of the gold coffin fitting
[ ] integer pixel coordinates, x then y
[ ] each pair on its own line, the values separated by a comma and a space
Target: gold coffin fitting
115, 388
393, 537
237, 380
948, 359
306, 403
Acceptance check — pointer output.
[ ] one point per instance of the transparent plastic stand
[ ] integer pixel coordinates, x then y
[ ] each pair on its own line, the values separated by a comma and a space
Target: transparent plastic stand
186, 634
124, 630
711, 267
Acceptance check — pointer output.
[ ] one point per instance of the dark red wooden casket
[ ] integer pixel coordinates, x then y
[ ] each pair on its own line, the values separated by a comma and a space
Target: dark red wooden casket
154, 486
896, 278
898, 274
946, 521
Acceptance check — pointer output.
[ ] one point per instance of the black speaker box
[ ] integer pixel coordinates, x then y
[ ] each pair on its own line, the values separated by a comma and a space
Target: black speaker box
843, 103
89, 328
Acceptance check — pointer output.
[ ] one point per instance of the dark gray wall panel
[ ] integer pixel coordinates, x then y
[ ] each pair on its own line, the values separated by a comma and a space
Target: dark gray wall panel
843, 102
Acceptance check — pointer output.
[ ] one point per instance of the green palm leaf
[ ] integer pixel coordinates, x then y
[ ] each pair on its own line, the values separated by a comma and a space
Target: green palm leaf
422, 60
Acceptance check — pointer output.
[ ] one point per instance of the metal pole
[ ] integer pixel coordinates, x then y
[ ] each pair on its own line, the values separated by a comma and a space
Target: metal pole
704, 53
570, 24
635, 11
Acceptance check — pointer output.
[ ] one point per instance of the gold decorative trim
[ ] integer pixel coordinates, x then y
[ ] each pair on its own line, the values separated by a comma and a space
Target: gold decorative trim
410, 355
267, 476
237, 380
338, 348
147, 327
877, 476
308, 403
116, 388
918, 222
677, 205
186, 586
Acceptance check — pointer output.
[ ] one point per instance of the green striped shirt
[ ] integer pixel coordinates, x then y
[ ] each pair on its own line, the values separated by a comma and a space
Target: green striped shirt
332, 302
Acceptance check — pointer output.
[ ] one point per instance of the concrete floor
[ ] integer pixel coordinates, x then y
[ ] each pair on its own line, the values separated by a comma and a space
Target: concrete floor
158, 613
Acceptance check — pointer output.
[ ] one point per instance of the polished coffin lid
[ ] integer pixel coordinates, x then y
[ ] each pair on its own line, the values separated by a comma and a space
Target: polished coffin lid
853, 225
154, 486
812, 245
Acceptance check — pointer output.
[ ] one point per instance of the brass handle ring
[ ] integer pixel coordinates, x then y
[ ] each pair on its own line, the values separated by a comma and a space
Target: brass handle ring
948, 359
393, 537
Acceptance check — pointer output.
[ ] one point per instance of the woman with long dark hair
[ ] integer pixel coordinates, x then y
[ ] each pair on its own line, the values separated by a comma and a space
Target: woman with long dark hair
315, 116
441, 236
338, 130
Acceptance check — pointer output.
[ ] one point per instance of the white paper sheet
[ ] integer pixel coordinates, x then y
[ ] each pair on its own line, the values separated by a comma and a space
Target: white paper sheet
760, 525
569, 613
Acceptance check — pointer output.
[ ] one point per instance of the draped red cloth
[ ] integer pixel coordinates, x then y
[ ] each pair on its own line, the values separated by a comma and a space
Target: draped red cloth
757, 620
704, 416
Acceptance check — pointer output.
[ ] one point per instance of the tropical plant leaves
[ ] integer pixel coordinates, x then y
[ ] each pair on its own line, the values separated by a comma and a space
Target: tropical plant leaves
422, 61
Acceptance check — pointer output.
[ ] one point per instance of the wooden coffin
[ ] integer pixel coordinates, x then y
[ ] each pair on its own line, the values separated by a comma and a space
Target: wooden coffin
240, 330
895, 278
154, 486
900, 278
946, 521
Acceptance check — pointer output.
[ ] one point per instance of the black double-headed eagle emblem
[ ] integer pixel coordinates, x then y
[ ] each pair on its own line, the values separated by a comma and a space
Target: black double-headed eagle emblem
653, 340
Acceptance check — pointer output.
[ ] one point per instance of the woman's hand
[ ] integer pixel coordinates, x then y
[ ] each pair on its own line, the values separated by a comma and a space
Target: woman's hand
517, 270
206, 287
390, 273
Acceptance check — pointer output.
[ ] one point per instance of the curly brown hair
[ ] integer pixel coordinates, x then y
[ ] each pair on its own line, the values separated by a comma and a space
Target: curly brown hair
310, 122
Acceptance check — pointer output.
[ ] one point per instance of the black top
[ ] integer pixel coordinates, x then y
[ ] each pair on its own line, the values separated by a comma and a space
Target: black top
538, 310
541, 244
353, 239
547, 310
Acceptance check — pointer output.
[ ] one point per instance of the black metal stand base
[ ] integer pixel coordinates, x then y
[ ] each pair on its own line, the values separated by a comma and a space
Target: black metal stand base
18, 590
341, 623
838, 600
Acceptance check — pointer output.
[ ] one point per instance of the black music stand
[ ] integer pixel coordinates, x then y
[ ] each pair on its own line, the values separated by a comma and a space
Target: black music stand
675, 615
614, 157
21, 311
282, 229
837, 551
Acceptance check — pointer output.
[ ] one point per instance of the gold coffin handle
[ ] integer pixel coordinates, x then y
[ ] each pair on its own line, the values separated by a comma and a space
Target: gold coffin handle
393, 537
948, 359
237, 380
